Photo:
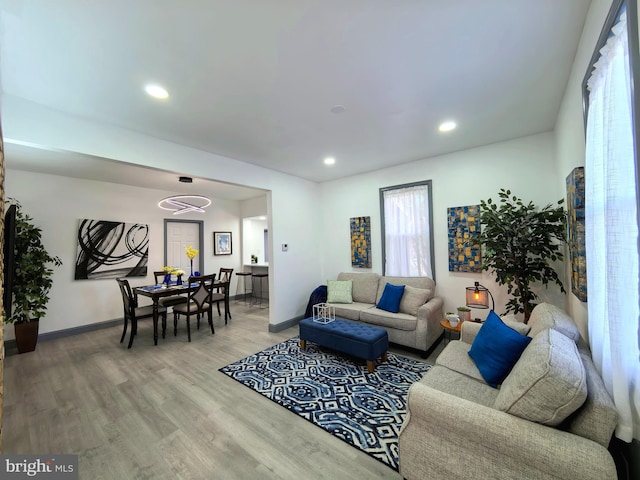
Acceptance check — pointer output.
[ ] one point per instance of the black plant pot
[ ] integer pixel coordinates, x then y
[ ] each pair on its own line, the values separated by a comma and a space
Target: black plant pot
26, 335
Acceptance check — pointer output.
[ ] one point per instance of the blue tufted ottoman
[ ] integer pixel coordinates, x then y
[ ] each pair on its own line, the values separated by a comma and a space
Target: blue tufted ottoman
361, 341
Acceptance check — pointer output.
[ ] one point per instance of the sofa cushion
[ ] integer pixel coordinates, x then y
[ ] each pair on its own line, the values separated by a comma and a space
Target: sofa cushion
455, 356
339, 291
413, 298
382, 318
496, 349
545, 315
350, 311
365, 286
445, 380
390, 300
548, 383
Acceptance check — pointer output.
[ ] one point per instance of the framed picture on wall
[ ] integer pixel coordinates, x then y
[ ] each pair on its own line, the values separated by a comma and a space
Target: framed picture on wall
222, 243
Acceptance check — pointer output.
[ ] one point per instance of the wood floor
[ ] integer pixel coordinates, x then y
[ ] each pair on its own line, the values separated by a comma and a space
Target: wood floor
165, 412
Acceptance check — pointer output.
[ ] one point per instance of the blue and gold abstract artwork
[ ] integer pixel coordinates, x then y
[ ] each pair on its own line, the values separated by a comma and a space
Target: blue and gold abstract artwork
361, 242
575, 233
464, 226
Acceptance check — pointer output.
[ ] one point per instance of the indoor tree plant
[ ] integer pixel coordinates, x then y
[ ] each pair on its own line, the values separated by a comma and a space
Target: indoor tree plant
32, 280
519, 242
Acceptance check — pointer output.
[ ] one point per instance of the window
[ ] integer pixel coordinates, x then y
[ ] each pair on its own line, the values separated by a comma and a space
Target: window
611, 214
407, 230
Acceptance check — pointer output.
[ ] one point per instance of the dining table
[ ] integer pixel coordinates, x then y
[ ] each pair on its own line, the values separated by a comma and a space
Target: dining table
156, 292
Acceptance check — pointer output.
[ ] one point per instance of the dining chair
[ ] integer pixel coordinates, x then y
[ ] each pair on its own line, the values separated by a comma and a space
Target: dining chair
171, 300
199, 302
133, 313
222, 292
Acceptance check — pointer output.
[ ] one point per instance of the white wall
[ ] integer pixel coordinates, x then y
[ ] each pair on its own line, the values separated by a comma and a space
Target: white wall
526, 166
254, 207
569, 131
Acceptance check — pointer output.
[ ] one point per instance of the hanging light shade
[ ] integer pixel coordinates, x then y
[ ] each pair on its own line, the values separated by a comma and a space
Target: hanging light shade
478, 297
179, 204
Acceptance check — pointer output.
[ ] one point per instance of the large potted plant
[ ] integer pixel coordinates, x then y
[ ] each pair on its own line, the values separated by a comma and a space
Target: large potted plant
519, 244
32, 280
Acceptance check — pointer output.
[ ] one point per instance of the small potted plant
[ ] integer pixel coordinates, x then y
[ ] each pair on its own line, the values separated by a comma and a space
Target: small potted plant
464, 313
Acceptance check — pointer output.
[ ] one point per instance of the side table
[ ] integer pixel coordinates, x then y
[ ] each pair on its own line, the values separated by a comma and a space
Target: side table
449, 330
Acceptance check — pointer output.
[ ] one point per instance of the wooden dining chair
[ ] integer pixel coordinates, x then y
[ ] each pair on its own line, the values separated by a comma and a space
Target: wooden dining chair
171, 300
199, 302
222, 292
133, 313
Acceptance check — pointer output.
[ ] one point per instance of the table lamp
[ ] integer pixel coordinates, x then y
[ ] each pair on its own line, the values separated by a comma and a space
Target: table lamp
478, 297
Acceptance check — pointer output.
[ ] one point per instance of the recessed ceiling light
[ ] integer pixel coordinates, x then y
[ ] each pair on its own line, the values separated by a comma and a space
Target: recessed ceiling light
447, 126
338, 109
329, 161
156, 91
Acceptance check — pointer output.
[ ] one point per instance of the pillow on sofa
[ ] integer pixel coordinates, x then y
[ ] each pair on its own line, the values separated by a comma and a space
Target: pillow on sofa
496, 349
339, 291
412, 299
548, 383
390, 300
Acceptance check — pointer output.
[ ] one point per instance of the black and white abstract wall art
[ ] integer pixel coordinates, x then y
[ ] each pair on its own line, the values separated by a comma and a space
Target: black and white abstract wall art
111, 250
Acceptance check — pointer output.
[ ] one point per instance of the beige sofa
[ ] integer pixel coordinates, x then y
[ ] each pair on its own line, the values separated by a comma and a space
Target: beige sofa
458, 427
416, 325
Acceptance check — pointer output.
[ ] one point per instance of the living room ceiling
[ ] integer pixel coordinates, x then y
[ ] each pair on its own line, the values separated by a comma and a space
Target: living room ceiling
261, 80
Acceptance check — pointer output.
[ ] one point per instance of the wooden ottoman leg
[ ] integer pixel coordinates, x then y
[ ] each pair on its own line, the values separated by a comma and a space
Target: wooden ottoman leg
303, 344
384, 357
370, 366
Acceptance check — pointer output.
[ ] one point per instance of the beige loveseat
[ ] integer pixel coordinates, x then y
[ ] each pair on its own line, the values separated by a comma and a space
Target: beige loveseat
416, 325
458, 427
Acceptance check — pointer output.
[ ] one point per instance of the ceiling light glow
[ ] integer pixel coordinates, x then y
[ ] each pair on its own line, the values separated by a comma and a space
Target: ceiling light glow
156, 91
447, 126
179, 204
329, 161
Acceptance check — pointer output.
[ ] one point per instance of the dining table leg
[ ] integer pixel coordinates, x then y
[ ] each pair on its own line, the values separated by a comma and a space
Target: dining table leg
155, 321
226, 304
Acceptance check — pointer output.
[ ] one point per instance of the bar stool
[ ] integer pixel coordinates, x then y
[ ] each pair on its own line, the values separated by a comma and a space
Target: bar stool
242, 282
257, 286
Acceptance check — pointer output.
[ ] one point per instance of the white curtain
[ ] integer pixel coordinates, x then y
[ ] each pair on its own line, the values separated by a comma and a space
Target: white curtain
407, 235
612, 231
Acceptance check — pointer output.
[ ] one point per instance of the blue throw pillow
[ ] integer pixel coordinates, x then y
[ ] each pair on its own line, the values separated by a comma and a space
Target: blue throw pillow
496, 349
391, 296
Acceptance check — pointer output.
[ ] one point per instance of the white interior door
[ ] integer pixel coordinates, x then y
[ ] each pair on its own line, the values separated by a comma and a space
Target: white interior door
179, 235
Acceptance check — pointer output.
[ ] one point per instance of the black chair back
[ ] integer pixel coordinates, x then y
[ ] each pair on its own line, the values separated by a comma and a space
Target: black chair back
225, 275
159, 276
127, 298
200, 296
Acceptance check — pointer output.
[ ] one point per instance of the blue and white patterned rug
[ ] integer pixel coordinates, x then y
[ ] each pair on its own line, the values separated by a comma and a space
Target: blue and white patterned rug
335, 392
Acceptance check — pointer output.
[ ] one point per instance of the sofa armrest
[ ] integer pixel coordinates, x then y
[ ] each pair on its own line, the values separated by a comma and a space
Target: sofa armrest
468, 331
492, 443
432, 310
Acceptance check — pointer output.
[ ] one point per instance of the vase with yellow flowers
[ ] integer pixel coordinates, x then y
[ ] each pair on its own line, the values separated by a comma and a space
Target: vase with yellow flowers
179, 273
191, 253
